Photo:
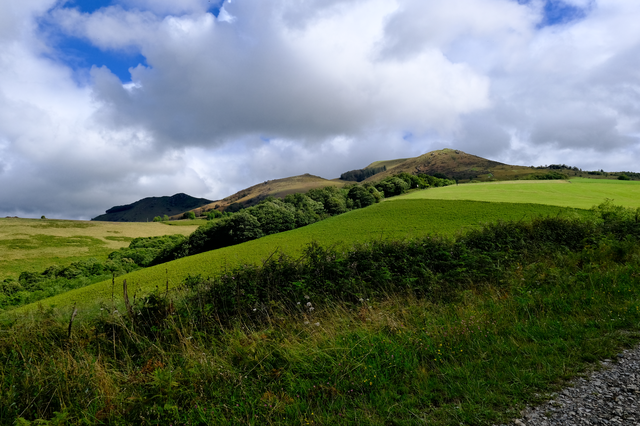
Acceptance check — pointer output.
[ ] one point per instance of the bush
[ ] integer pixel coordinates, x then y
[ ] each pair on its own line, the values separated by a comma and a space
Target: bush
361, 197
189, 215
213, 214
274, 216
392, 186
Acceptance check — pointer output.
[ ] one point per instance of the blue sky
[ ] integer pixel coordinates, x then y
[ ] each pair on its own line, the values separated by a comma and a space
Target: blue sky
80, 54
263, 90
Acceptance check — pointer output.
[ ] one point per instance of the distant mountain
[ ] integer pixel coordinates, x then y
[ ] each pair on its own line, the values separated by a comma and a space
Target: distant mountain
146, 209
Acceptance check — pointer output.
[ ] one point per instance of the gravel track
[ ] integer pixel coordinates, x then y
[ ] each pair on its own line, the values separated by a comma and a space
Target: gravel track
610, 396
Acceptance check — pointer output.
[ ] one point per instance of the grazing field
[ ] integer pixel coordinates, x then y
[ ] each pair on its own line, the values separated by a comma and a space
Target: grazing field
579, 192
34, 244
397, 220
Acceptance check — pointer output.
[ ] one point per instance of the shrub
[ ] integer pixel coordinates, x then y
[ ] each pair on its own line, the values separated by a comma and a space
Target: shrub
361, 197
274, 216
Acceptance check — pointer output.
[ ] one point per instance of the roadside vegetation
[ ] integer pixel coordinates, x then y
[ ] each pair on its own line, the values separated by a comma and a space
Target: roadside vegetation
445, 330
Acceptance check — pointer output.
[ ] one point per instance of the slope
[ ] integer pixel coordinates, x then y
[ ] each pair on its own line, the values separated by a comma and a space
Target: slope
278, 188
391, 220
578, 192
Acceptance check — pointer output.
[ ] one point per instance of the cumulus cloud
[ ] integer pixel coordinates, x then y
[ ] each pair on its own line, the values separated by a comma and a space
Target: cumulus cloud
234, 93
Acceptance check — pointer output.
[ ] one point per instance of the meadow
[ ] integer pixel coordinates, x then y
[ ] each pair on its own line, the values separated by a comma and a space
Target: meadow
432, 330
393, 220
582, 193
407, 312
35, 244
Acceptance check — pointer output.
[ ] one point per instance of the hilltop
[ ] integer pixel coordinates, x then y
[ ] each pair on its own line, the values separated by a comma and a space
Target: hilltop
146, 209
455, 164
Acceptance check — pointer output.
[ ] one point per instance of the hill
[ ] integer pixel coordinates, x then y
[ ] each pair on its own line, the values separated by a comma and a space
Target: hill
459, 165
278, 188
146, 209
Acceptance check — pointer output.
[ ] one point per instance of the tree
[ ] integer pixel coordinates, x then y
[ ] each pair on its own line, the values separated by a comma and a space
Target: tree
189, 215
361, 197
274, 216
213, 214
157, 219
392, 186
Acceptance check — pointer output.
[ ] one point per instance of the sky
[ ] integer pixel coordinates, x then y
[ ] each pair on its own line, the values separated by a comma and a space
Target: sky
105, 102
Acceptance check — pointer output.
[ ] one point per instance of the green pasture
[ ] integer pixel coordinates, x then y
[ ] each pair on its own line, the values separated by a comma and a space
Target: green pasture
34, 244
580, 193
397, 220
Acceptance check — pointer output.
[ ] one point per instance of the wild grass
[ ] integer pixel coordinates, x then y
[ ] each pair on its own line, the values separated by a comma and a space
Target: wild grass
474, 353
392, 220
34, 244
577, 193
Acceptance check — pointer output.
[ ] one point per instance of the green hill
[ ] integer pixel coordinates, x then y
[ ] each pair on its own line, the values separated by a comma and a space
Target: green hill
578, 192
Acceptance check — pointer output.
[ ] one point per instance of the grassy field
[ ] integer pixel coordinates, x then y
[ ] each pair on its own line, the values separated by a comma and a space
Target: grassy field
397, 220
578, 192
34, 244
484, 335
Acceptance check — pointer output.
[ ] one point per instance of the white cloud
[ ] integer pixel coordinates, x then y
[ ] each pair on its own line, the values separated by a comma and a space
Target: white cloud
331, 85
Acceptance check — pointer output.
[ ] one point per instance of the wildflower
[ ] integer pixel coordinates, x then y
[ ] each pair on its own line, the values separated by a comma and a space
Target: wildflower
311, 308
308, 303
306, 297
317, 324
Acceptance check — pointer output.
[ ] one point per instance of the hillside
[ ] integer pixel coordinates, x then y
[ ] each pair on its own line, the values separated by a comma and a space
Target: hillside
278, 188
389, 164
457, 165
450, 162
146, 209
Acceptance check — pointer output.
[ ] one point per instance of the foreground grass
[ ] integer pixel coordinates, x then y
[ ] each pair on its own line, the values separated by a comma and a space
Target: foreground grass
392, 220
473, 356
578, 192
34, 244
